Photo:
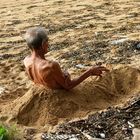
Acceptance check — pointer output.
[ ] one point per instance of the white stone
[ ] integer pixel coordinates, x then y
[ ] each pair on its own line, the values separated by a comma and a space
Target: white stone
102, 135
119, 41
80, 66
2, 89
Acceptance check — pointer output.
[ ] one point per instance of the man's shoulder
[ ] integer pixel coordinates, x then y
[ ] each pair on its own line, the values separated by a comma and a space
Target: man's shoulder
50, 65
47, 64
54, 63
26, 60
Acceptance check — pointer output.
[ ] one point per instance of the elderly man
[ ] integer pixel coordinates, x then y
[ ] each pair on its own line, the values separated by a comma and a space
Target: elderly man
46, 72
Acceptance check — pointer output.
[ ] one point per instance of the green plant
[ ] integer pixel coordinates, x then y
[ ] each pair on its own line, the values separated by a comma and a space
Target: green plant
3, 133
8, 132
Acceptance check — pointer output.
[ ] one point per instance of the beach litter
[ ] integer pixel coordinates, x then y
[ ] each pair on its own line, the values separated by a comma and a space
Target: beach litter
113, 124
60, 137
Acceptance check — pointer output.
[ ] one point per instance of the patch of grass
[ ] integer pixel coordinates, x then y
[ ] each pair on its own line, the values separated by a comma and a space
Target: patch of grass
9, 132
3, 133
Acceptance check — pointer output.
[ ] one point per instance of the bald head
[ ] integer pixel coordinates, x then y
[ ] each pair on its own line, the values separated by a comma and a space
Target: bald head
35, 36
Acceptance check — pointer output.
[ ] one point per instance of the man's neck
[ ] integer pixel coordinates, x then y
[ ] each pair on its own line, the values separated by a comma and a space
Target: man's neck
38, 54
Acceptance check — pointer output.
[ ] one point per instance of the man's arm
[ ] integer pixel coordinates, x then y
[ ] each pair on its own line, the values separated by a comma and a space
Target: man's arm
67, 83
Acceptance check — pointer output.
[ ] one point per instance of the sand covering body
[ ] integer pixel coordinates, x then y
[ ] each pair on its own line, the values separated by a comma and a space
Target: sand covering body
40, 106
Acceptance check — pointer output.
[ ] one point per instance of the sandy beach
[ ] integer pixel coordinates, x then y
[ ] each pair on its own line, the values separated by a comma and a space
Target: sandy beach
81, 33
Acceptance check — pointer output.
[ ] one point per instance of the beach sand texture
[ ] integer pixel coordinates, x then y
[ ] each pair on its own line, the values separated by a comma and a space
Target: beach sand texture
80, 32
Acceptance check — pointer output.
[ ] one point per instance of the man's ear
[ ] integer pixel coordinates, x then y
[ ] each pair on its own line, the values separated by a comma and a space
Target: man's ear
43, 45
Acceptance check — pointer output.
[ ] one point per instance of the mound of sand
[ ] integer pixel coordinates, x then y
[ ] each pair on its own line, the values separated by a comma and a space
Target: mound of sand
40, 107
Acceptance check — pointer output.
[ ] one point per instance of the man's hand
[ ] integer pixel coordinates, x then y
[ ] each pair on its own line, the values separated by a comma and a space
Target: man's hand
98, 70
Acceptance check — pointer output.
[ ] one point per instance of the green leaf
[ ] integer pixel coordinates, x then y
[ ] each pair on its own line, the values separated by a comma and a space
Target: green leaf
1, 137
2, 131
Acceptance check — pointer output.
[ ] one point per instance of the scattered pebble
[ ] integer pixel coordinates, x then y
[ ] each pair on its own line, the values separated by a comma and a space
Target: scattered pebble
130, 125
137, 47
103, 125
88, 136
2, 89
116, 42
60, 137
80, 66
102, 135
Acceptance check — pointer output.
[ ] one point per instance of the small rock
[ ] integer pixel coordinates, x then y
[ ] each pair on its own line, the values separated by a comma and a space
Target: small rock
102, 135
137, 46
80, 66
116, 42
2, 89
130, 125
124, 128
135, 51
127, 138
59, 137
87, 136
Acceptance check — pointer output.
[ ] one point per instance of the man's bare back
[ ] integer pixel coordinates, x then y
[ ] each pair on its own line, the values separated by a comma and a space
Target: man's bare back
48, 73
42, 72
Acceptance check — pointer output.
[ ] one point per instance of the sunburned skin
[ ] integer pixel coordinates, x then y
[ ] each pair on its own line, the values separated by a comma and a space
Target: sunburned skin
49, 74
42, 72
